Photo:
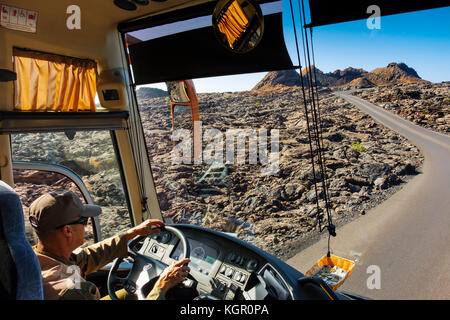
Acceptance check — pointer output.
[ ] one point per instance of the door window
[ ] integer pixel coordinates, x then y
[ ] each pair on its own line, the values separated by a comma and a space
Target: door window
90, 155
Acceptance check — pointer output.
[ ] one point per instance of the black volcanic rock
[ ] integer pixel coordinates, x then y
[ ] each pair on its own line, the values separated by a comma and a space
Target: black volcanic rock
255, 202
421, 103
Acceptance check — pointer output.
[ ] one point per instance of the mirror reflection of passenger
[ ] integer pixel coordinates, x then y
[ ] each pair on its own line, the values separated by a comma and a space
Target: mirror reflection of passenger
59, 219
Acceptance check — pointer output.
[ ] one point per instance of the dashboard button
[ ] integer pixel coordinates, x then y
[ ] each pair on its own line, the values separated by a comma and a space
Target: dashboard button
234, 288
188, 283
243, 278
252, 265
221, 286
229, 272
223, 269
130, 287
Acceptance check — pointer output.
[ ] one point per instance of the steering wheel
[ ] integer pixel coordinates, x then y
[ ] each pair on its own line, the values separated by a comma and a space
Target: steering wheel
144, 267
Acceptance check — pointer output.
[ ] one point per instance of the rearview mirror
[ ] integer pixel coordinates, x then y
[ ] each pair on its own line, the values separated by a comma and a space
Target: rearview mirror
238, 24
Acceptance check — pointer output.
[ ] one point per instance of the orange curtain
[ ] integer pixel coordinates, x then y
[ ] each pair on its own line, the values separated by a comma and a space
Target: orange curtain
233, 23
48, 82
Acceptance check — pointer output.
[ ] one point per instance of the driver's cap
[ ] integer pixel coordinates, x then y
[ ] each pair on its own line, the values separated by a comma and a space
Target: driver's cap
57, 208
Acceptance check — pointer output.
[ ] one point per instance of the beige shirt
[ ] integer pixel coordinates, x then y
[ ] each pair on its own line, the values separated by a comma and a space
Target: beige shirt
64, 279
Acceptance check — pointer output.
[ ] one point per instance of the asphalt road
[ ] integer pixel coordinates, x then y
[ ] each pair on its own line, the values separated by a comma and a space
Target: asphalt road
402, 246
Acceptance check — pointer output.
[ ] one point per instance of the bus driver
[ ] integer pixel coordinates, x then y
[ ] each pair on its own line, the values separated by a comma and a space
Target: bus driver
59, 219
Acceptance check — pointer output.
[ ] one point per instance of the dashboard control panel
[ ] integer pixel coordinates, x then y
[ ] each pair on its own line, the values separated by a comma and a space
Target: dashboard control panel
220, 268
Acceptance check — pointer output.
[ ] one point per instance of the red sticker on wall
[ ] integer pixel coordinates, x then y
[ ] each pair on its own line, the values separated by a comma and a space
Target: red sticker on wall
18, 19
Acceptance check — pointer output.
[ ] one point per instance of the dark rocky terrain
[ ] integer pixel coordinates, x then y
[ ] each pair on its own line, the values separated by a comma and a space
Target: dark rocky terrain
365, 163
425, 104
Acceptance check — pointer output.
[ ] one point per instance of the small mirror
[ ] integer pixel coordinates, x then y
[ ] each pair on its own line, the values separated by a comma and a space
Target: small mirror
177, 91
238, 24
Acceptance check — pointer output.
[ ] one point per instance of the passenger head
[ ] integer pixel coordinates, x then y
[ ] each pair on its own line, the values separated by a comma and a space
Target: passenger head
60, 216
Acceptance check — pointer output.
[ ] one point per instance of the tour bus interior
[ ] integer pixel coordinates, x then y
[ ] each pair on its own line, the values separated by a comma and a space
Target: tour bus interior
71, 117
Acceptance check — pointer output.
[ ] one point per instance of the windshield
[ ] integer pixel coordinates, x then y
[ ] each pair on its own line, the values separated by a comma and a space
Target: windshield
254, 177
350, 134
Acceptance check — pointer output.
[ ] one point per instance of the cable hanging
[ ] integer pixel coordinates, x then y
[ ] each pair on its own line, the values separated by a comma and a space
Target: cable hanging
315, 125
136, 134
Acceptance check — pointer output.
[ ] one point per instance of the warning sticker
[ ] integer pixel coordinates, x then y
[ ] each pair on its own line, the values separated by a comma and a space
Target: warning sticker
18, 19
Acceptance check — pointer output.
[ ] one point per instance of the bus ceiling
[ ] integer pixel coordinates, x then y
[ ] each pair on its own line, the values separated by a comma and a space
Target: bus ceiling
93, 35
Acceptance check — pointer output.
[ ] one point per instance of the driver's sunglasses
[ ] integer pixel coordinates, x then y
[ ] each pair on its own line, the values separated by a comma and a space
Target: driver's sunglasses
83, 220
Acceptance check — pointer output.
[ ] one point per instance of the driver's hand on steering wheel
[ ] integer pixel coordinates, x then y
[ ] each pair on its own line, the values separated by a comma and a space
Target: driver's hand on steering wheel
146, 228
173, 275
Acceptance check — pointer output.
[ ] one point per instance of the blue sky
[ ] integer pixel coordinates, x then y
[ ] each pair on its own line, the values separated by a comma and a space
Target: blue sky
420, 39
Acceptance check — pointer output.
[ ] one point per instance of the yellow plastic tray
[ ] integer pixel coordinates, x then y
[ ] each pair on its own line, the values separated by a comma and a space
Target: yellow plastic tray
333, 261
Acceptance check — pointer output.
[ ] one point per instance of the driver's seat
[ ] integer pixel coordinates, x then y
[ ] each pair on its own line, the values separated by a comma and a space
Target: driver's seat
20, 272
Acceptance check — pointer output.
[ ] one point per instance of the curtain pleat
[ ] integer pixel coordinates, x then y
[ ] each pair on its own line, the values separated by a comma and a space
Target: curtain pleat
233, 23
54, 83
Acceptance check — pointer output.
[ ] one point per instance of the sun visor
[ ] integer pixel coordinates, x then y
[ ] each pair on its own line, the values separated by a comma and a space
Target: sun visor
196, 53
324, 12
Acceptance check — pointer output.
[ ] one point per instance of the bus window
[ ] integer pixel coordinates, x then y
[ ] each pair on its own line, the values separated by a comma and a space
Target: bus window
91, 157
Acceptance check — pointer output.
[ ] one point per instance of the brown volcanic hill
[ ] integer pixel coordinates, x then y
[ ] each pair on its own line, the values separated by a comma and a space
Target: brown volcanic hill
289, 78
394, 73
347, 75
336, 78
359, 83
323, 79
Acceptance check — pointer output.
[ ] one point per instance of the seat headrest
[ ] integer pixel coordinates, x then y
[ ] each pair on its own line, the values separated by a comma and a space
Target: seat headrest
29, 279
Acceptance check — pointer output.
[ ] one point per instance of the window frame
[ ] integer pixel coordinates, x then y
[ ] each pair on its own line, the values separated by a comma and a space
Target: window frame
24, 165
